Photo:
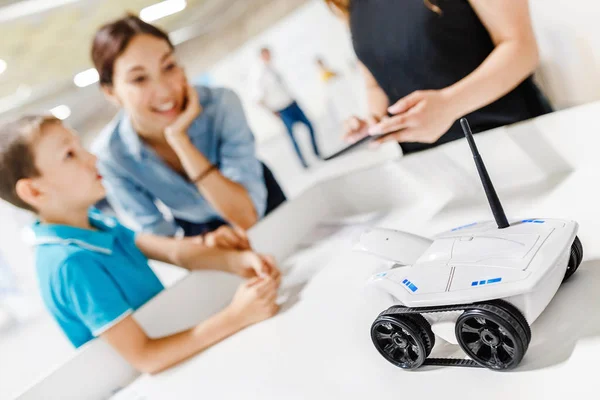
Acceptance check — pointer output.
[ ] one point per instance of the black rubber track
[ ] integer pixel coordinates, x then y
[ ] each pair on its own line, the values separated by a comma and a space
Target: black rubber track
522, 327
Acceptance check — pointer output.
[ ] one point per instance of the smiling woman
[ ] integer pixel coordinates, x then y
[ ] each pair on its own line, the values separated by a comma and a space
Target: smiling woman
189, 147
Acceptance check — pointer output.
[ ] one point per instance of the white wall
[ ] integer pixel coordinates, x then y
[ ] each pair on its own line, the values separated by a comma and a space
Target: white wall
568, 34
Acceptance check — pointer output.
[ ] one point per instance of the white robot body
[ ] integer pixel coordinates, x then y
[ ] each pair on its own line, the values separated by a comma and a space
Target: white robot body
479, 285
523, 264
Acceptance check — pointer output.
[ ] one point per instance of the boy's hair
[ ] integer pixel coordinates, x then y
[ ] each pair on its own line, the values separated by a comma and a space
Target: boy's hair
16, 155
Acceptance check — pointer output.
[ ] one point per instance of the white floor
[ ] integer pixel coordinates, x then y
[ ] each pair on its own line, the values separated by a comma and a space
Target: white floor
32, 345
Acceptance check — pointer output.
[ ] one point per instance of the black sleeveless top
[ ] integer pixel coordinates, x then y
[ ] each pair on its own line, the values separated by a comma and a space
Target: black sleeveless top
408, 47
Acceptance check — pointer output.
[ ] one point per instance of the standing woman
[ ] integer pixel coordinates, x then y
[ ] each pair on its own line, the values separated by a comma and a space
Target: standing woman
188, 147
427, 63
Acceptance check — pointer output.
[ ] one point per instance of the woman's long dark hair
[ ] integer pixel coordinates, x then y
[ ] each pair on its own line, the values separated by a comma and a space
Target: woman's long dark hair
112, 39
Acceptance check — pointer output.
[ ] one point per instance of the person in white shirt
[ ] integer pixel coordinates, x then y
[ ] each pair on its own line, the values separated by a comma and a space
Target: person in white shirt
272, 93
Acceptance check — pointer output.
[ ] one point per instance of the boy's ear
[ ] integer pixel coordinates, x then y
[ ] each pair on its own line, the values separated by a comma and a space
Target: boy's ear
28, 191
109, 93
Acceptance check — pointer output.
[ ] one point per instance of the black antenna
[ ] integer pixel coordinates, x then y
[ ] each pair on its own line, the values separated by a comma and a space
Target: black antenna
490, 192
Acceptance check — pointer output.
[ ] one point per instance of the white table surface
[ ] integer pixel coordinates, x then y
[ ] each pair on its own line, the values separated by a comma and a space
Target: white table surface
318, 346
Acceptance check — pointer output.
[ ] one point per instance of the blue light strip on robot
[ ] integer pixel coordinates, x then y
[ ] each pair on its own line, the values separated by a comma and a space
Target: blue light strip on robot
484, 282
464, 226
537, 221
410, 285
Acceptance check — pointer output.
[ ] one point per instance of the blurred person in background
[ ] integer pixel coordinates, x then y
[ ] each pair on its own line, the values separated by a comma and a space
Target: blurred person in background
325, 73
186, 146
270, 91
427, 63
335, 104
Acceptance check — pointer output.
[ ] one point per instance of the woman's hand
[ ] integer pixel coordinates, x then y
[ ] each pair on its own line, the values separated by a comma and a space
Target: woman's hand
192, 109
226, 237
249, 264
357, 128
422, 116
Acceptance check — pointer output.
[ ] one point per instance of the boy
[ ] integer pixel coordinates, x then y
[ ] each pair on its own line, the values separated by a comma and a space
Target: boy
93, 272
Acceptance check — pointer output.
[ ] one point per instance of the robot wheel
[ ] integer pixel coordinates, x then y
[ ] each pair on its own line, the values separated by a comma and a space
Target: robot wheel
493, 335
575, 258
403, 340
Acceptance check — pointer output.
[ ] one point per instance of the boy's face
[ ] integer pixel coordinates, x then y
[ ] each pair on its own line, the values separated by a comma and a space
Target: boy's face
68, 175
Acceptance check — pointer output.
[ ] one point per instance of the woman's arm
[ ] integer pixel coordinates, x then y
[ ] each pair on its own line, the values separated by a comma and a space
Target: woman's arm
377, 100
424, 116
356, 128
183, 252
514, 58
231, 199
189, 254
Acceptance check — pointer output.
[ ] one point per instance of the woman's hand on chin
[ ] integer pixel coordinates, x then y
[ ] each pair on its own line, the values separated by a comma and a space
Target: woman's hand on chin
178, 129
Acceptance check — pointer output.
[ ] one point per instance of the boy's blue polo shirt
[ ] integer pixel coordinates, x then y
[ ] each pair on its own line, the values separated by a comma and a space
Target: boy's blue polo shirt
90, 280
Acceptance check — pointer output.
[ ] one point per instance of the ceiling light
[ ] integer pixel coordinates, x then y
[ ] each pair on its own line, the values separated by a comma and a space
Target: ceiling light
29, 7
86, 78
61, 112
2, 65
162, 9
